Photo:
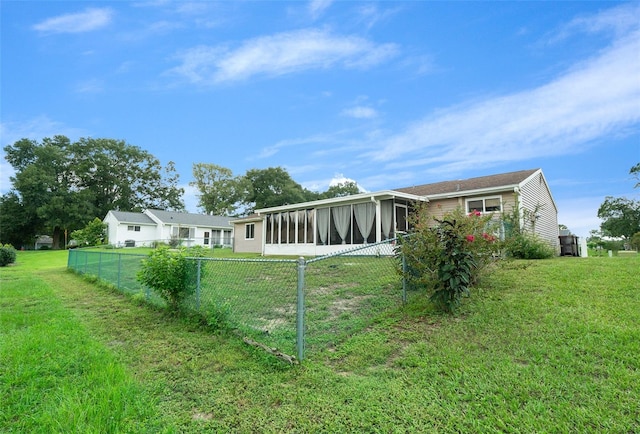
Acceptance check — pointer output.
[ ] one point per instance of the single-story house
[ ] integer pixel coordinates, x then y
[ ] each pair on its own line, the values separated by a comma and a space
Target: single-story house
128, 229
330, 225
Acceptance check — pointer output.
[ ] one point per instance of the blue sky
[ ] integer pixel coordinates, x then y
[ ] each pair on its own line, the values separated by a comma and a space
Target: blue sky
389, 94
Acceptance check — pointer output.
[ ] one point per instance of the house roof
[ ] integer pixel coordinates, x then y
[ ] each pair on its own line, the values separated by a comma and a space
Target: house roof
132, 217
250, 218
353, 198
502, 180
183, 218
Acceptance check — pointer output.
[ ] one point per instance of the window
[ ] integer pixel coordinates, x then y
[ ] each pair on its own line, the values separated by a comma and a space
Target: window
249, 231
133, 228
485, 204
206, 238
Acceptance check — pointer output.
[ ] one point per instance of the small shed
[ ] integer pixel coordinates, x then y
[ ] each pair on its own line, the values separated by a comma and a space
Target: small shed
43, 242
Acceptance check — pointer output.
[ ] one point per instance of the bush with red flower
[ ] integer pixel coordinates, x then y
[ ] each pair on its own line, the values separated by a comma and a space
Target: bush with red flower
447, 256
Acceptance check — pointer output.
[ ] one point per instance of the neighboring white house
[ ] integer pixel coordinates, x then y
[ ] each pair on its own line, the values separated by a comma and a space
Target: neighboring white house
128, 229
331, 225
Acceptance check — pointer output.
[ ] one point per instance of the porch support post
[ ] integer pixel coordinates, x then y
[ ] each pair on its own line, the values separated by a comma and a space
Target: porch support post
378, 222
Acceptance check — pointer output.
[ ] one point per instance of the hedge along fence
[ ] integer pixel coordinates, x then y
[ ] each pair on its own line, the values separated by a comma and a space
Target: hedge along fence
287, 306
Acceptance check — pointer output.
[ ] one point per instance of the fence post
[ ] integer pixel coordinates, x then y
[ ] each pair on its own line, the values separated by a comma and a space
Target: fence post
198, 285
404, 279
99, 264
119, 268
300, 310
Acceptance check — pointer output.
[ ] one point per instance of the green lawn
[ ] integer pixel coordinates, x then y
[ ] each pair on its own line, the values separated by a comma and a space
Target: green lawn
545, 346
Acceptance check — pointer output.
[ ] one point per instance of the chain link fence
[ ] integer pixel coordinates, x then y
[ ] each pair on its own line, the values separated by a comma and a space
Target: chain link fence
298, 307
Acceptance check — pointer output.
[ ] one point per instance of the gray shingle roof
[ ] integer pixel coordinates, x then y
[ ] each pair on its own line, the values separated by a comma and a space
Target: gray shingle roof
132, 217
462, 185
183, 218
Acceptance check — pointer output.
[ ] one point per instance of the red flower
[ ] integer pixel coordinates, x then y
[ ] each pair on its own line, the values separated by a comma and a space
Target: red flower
488, 237
470, 238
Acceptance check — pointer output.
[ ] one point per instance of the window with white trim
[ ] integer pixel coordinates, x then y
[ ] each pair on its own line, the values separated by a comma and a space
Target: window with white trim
133, 228
249, 231
484, 204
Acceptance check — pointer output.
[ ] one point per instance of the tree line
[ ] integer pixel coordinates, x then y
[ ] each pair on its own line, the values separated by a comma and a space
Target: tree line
60, 186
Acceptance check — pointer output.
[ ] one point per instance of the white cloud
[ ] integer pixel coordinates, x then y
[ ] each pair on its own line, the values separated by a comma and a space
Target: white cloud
35, 129
317, 7
89, 20
369, 14
280, 54
90, 86
596, 98
360, 112
618, 20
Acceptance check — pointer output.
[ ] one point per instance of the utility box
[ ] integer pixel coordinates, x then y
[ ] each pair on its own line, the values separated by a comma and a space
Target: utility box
130, 243
568, 245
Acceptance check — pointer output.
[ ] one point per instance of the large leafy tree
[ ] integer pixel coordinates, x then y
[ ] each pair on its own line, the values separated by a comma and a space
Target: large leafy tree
219, 191
60, 185
273, 187
621, 215
125, 177
346, 188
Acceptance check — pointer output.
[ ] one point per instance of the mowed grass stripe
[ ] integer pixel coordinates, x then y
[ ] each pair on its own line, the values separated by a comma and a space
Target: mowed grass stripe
54, 376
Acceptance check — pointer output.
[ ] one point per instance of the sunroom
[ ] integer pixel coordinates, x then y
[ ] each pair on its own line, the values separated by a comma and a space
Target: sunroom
331, 225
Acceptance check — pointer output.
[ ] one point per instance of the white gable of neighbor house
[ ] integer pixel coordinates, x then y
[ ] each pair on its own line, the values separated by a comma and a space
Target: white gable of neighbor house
154, 225
125, 226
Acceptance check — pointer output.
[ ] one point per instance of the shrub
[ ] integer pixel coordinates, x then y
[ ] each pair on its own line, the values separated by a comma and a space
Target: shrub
528, 246
217, 316
93, 234
171, 274
447, 256
7, 255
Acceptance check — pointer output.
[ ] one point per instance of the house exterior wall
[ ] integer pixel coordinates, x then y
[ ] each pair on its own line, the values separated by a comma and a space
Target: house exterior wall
118, 232
247, 245
158, 231
535, 197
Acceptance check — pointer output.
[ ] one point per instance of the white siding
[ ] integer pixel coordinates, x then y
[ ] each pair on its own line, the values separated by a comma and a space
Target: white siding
535, 197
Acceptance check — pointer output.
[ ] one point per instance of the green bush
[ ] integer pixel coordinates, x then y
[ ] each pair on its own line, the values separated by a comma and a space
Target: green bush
528, 246
7, 255
447, 256
94, 234
217, 316
170, 273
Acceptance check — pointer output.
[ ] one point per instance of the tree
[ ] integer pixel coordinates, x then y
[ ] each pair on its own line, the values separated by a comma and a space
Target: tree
342, 189
93, 234
17, 226
125, 177
219, 190
59, 185
635, 171
272, 187
621, 217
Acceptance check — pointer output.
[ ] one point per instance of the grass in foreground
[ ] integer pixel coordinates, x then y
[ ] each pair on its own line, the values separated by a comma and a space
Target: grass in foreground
541, 346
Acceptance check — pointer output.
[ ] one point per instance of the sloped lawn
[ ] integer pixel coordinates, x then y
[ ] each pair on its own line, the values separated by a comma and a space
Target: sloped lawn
547, 346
